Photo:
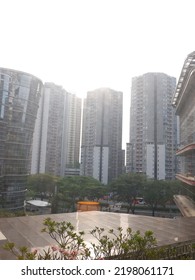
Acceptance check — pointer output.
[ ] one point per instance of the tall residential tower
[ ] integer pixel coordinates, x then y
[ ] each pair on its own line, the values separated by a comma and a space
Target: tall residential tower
153, 126
56, 141
101, 151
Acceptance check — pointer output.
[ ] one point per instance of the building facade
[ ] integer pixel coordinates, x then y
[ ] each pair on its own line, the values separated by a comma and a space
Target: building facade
129, 158
19, 98
56, 141
101, 150
153, 126
184, 103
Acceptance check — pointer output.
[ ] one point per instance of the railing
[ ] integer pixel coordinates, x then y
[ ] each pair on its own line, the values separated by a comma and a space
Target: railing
177, 251
181, 250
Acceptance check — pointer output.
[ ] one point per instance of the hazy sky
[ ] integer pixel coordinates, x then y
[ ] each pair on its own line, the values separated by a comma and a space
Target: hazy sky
86, 44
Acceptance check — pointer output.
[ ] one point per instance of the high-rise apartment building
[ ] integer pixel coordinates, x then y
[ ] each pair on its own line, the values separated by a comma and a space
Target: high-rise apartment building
101, 151
153, 126
56, 142
129, 158
19, 98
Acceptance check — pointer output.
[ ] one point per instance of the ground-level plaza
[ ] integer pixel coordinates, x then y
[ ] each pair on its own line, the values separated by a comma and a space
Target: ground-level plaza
26, 231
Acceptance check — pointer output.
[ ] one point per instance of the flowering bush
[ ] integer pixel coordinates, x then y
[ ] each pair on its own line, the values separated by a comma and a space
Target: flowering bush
121, 245
69, 244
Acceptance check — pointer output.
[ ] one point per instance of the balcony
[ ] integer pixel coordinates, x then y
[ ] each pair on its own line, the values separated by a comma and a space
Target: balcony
187, 161
186, 150
186, 178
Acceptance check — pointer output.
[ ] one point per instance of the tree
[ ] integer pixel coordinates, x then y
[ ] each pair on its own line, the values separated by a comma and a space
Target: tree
127, 187
64, 192
160, 192
42, 185
71, 189
155, 193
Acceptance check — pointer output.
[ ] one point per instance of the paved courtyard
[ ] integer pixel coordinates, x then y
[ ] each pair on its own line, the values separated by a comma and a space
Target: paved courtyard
26, 231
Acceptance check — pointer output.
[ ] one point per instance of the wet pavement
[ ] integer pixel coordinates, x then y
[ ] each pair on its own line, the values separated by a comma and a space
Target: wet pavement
26, 231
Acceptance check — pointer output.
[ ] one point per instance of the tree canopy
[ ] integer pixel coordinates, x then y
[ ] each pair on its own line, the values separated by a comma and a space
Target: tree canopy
63, 192
41, 185
127, 187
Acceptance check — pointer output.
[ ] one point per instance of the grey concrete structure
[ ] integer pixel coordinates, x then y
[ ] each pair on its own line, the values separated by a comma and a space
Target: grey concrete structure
101, 150
186, 205
56, 142
129, 157
184, 103
153, 126
19, 98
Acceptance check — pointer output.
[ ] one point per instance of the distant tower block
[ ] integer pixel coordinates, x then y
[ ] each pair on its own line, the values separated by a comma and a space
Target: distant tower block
88, 206
101, 149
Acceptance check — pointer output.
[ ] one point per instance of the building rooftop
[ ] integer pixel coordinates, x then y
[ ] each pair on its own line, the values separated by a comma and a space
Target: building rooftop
26, 231
38, 203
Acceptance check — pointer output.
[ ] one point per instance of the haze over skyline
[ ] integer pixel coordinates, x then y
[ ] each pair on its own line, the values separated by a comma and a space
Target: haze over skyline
88, 44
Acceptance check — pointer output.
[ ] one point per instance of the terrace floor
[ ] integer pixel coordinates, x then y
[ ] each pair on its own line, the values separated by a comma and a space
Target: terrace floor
26, 231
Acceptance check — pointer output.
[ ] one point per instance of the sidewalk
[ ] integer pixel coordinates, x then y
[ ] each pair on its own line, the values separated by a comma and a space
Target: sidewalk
185, 205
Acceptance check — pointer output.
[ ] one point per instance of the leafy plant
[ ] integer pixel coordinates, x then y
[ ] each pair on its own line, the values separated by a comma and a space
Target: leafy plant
127, 245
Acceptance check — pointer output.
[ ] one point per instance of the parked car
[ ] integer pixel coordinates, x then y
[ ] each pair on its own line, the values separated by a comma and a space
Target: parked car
140, 201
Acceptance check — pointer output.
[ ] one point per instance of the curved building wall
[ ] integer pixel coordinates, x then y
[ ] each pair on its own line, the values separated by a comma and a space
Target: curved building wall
19, 97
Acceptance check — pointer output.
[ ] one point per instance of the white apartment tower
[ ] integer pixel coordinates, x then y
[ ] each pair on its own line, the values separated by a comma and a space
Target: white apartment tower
153, 126
56, 141
101, 151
